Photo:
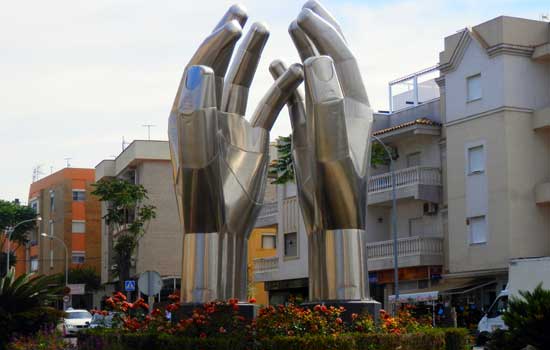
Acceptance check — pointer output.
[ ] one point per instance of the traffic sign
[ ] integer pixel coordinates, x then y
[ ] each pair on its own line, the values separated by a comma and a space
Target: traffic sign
129, 285
66, 298
150, 283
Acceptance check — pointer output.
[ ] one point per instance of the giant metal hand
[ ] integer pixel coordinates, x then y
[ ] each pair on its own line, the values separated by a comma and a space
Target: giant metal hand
220, 159
331, 152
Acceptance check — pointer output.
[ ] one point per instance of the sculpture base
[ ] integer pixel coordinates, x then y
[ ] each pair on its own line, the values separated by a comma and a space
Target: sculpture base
371, 306
247, 310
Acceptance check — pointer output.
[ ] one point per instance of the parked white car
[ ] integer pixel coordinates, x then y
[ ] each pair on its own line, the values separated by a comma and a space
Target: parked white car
75, 320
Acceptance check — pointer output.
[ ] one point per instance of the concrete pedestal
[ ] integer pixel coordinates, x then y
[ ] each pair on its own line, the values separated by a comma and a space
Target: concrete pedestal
372, 307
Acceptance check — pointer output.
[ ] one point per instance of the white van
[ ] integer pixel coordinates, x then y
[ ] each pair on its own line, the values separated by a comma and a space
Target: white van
523, 274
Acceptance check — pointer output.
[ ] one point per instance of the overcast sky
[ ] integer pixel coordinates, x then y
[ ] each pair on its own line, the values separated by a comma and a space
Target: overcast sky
77, 76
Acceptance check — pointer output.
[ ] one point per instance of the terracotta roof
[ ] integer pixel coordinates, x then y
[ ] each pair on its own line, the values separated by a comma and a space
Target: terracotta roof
419, 121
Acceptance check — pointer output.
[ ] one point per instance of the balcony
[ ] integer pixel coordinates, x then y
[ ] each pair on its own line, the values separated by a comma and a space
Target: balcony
268, 215
412, 251
264, 265
423, 183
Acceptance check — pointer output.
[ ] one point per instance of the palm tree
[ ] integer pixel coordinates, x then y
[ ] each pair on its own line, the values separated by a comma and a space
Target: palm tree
24, 304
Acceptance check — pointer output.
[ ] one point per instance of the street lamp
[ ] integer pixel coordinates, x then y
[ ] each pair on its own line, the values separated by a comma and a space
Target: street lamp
51, 237
393, 218
10, 231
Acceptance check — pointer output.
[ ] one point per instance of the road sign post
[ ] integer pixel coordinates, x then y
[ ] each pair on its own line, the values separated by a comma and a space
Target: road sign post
150, 284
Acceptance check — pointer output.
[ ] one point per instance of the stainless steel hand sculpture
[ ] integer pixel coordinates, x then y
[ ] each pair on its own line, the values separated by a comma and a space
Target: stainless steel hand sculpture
331, 154
220, 159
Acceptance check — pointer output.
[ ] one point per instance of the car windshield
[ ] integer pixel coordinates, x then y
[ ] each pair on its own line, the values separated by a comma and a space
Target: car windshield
78, 314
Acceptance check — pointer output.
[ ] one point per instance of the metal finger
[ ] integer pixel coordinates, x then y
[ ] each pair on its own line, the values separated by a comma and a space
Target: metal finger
295, 105
328, 42
273, 101
209, 51
327, 108
240, 75
304, 46
319, 9
235, 12
197, 90
324, 36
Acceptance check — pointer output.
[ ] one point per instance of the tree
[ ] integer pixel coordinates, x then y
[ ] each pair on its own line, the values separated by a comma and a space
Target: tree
23, 304
528, 319
282, 168
12, 213
82, 275
127, 216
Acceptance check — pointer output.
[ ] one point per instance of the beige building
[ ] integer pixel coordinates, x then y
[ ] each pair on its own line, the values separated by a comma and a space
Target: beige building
147, 163
495, 98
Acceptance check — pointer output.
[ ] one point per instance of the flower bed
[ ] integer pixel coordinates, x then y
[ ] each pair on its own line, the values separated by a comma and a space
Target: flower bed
218, 325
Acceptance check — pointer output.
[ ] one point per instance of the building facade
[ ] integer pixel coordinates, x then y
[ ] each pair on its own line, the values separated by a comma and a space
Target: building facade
70, 213
495, 96
147, 163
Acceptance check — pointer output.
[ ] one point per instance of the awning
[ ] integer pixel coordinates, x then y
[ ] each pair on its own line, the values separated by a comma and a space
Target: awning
415, 297
446, 287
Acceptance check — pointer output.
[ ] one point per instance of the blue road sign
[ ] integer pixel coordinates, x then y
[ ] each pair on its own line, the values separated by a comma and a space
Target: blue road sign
130, 285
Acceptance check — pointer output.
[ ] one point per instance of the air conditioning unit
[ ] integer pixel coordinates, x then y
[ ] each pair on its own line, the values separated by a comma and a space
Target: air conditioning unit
430, 208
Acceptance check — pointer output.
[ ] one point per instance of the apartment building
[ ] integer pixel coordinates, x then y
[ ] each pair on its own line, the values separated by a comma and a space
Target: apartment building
147, 163
262, 244
71, 214
495, 97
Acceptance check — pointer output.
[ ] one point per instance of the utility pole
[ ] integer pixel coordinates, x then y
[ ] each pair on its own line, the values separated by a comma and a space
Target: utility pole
149, 126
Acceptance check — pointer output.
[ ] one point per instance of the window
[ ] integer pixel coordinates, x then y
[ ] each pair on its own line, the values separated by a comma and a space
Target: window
478, 229
34, 206
476, 160
79, 195
415, 227
34, 264
498, 307
269, 241
78, 257
473, 84
413, 159
52, 200
79, 226
291, 244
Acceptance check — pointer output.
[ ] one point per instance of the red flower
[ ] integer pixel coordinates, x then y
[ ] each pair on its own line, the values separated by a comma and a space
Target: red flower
339, 320
317, 307
354, 316
252, 300
235, 307
222, 330
120, 296
203, 335
324, 308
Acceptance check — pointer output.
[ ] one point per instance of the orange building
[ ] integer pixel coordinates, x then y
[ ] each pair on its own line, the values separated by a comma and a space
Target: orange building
70, 213
261, 244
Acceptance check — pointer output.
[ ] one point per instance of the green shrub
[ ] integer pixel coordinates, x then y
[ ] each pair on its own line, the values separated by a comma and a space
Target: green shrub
433, 339
456, 338
528, 318
23, 302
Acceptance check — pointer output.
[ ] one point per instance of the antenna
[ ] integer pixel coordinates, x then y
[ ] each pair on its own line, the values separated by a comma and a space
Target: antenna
149, 126
124, 143
37, 172
68, 161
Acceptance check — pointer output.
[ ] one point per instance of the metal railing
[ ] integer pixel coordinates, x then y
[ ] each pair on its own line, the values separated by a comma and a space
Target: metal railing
262, 265
405, 177
406, 247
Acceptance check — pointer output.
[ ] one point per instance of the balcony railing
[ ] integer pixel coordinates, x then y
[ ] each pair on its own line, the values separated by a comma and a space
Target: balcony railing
404, 177
268, 215
406, 247
262, 265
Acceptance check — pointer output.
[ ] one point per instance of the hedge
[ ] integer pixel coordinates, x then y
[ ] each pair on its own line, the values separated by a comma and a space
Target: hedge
436, 339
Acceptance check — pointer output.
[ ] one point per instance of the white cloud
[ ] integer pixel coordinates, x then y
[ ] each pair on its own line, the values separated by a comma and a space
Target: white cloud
79, 75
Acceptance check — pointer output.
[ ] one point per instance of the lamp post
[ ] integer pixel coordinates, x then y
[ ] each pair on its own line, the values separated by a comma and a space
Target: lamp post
393, 218
51, 237
10, 232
